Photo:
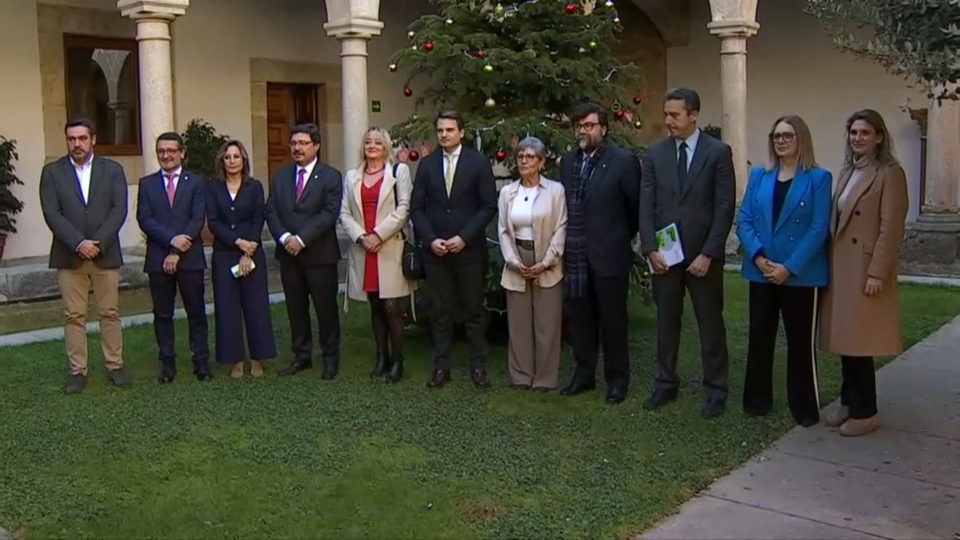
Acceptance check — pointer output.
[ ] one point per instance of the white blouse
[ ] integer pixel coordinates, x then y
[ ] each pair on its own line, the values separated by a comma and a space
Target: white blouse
521, 213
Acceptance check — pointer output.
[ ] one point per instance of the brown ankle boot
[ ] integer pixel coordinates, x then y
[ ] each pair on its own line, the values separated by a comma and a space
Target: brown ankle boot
838, 416
856, 427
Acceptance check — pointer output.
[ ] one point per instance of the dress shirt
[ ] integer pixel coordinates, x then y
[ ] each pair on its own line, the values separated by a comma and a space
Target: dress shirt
691, 147
296, 178
451, 162
83, 176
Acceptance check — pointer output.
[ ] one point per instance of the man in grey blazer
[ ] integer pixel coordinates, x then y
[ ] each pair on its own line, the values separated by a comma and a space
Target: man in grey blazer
688, 180
84, 202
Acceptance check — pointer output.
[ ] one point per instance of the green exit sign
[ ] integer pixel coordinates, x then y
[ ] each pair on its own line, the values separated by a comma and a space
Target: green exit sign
375, 106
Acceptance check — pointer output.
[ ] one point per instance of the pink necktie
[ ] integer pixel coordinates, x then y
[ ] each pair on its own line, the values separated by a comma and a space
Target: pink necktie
171, 188
300, 179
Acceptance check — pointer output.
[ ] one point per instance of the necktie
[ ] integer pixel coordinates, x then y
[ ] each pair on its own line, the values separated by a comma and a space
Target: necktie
682, 165
449, 174
171, 188
300, 183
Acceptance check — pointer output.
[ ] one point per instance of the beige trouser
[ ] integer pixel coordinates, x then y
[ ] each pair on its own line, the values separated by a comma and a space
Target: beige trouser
75, 286
535, 319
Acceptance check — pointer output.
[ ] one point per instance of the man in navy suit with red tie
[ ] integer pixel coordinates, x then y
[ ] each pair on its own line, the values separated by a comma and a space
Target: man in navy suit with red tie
171, 206
302, 211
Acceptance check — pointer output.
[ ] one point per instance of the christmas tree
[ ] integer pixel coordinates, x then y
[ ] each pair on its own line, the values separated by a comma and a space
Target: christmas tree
513, 69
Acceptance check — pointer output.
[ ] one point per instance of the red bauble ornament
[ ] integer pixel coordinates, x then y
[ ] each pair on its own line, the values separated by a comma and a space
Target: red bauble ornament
428, 46
480, 54
571, 9
638, 100
620, 113
501, 155
414, 155
407, 92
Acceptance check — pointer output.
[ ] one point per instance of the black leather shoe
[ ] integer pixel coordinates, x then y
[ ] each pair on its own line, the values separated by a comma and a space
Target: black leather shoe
660, 398
578, 387
479, 378
203, 374
396, 370
329, 372
439, 379
167, 375
616, 394
76, 383
295, 367
119, 378
379, 366
713, 408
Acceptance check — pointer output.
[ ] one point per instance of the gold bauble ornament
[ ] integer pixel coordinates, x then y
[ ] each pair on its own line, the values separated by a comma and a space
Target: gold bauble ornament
638, 124
608, 3
449, 21
413, 48
393, 67
499, 9
616, 20
490, 103
411, 34
593, 44
488, 68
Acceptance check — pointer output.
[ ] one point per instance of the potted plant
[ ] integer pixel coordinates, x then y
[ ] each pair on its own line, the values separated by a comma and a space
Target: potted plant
202, 143
10, 205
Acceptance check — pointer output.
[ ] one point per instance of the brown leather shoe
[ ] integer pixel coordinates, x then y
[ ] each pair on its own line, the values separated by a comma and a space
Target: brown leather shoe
856, 427
76, 383
439, 379
119, 378
838, 416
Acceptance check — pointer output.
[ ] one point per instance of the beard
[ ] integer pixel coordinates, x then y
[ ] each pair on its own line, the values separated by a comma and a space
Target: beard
587, 144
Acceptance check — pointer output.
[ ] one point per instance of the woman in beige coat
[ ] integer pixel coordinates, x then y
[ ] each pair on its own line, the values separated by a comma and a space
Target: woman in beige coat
374, 214
532, 227
860, 318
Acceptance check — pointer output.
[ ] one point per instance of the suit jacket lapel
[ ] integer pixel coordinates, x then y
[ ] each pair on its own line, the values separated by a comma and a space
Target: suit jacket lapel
386, 188
765, 198
597, 175
96, 179
311, 183
457, 173
696, 164
70, 173
868, 176
181, 190
801, 182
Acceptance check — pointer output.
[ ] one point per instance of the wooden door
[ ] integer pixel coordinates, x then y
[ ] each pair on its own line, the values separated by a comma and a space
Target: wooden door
287, 106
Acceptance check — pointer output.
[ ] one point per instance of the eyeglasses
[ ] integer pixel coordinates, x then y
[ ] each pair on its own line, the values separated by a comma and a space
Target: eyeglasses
587, 126
786, 136
527, 157
300, 144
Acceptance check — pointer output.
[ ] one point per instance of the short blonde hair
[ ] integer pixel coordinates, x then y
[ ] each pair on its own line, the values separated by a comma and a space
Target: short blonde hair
387, 145
805, 157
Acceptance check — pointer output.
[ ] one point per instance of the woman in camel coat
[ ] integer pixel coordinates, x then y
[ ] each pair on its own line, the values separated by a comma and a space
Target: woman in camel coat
374, 213
860, 318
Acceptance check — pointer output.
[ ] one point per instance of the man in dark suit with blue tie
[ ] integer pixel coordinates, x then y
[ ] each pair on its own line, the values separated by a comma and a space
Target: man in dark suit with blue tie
171, 206
688, 181
302, 211
454, 198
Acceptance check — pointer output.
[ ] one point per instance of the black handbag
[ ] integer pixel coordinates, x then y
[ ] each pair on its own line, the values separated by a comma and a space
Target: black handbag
412, 261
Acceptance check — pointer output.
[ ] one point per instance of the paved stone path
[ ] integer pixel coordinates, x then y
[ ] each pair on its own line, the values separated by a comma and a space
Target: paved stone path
901, 482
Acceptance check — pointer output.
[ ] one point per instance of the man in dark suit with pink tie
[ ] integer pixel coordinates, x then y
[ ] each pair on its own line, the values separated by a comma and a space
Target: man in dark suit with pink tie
171, 207
302, 212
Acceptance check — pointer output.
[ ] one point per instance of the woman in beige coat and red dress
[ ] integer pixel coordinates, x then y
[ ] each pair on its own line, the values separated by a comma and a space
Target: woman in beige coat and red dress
374, 214
860, 319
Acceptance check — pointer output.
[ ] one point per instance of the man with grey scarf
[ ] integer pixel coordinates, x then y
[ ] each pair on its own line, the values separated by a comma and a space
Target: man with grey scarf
602, 183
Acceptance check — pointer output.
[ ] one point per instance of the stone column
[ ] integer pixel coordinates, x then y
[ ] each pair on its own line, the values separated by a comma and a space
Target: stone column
733, 91
940, 200
734, 21
153, 18
353, 35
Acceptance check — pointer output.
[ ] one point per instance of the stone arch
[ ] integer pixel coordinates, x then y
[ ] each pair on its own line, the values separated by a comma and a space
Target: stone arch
642, 43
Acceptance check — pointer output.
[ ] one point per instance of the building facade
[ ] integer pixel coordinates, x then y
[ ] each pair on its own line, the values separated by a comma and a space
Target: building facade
253, 67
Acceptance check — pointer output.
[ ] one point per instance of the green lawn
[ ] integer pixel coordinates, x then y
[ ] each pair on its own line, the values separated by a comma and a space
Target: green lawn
354, 458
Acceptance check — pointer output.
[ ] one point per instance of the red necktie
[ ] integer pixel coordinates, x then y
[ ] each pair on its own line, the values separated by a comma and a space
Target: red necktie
171, 188
300, 182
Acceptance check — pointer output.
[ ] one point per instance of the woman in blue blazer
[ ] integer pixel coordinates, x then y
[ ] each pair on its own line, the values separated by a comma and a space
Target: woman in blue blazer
235, 213
784, 229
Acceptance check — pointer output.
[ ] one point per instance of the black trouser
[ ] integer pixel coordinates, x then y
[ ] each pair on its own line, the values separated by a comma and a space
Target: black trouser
163, 292
301, 284
460, 286
386, 318
798, 307
600, 319
706, 295
859, 388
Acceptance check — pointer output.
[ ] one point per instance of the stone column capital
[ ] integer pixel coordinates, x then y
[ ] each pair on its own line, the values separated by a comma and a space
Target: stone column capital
165, 10
353, 28
733, 28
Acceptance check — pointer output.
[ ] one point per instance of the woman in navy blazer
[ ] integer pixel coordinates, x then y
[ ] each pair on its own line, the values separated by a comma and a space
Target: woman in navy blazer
235, 212
784, 228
